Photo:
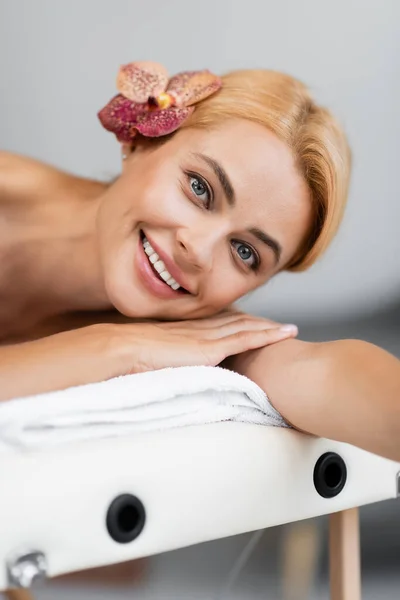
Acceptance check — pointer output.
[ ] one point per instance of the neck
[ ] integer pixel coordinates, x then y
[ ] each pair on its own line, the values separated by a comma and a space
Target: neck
57, 260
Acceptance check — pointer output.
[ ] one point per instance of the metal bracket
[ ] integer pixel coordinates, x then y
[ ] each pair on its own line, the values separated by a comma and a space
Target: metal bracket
26, 568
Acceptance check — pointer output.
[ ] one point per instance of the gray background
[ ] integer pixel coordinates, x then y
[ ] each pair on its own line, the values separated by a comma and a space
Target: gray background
58, 62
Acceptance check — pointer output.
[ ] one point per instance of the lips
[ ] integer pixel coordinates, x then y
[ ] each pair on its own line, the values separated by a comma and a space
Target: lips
150, 278
158, 265
170, 266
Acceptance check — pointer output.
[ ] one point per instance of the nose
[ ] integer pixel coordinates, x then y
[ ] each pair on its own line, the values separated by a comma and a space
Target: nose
195, 249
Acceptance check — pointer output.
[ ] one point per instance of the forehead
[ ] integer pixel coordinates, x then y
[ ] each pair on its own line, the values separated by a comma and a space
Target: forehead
271, 192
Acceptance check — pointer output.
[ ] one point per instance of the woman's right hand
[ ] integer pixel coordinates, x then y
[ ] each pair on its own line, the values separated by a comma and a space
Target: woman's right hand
151, 346
102, 351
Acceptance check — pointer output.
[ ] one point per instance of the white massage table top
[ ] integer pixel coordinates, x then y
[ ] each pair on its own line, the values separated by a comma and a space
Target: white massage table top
195, 484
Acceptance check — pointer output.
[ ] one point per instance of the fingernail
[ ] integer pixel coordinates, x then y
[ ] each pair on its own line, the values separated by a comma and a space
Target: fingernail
289, 328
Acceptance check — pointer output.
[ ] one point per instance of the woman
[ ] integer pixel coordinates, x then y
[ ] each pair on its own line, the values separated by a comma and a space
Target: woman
225, 183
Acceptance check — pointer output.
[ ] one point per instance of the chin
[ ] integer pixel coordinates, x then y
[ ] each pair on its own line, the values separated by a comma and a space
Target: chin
121, 287
125, 295
120, 297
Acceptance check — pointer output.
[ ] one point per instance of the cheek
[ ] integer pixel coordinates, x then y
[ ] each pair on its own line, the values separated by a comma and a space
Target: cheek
226, 284
160, 199
155, 184
165, 204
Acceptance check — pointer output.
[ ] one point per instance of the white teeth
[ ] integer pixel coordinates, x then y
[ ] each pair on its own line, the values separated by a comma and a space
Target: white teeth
159, 266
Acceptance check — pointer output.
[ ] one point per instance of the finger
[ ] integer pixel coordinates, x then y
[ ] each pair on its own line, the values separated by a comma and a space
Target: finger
238, 320
203, 323
233, 316
243, 341
232, 311
231, 327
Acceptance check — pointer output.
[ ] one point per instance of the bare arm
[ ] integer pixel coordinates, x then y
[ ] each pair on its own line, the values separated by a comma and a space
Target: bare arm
347, 390
55, 362
102, 351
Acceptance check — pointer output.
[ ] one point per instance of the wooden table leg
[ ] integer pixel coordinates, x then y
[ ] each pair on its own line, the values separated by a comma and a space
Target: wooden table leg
18, 594
344, 555
300, 554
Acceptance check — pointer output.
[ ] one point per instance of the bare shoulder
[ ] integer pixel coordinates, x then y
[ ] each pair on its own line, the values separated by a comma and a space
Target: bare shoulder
22, 177
25, 179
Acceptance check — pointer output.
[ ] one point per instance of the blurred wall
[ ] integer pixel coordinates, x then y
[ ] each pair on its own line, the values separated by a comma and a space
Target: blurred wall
58, 62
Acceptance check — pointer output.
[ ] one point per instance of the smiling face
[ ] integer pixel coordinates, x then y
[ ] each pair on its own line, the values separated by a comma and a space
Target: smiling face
218, 211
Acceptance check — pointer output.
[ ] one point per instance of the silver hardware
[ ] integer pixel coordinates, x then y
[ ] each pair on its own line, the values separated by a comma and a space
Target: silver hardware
26, 568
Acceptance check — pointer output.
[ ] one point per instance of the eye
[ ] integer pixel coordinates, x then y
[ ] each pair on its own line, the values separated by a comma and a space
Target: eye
200, 189
247, 254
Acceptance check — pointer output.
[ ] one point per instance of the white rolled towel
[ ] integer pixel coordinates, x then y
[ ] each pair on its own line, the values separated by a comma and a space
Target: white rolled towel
155, 400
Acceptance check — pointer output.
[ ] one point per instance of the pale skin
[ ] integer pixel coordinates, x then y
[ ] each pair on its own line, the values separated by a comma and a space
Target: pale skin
75, 306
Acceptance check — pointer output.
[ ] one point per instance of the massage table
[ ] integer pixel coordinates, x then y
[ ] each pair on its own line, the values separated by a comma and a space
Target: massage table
96, 502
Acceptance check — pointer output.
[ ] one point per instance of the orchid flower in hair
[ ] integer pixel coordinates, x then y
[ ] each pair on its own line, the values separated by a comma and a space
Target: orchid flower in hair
151, 103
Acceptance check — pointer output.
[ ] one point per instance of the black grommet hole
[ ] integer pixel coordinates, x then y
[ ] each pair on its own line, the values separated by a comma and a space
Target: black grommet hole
330, 475
333, 475
128, 518
125, 518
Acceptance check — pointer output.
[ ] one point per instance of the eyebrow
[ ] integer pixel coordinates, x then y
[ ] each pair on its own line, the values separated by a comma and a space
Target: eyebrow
222, 177
231, 199
269, 241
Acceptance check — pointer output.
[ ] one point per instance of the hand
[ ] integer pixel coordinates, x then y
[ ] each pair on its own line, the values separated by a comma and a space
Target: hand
102, 351
150, 346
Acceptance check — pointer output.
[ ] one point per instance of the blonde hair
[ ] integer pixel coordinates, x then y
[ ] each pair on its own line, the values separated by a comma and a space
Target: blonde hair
284, 105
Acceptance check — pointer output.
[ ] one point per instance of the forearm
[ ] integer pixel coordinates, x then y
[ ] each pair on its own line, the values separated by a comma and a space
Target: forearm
53, 363
346, 390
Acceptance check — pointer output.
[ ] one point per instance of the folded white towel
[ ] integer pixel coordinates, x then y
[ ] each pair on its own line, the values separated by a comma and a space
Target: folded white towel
149, 401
